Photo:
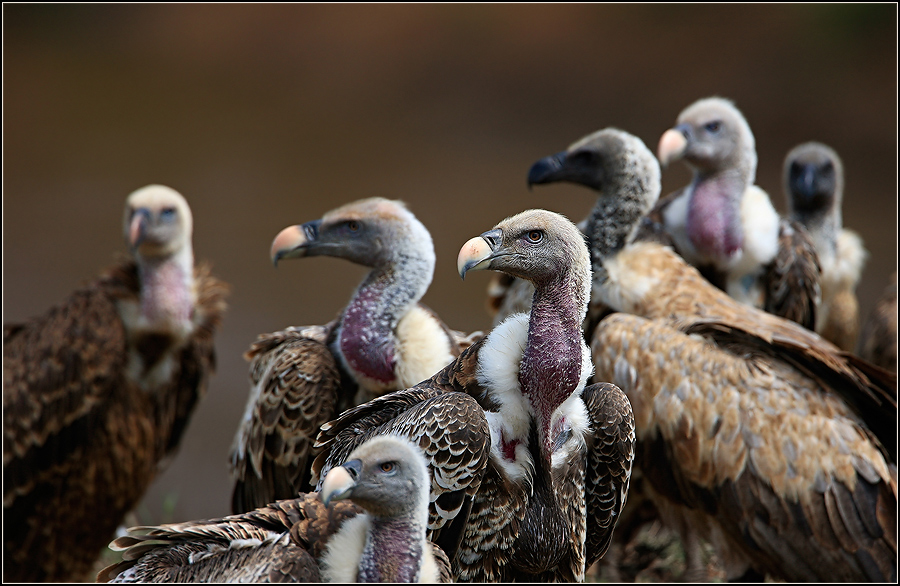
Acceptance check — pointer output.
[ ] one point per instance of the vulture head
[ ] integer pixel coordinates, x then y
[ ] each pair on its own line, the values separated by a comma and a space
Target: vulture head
373, 232
388, 477
158, 222
813, 180
712, 136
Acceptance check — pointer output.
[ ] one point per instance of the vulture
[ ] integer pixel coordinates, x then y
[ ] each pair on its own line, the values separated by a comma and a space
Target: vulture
384, 340
814, 186
366, 525
878, 341
725, 225
99, 389
560, 451
757, 434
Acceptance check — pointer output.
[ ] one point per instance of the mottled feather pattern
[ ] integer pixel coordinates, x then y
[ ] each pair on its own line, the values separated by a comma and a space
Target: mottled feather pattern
715, 413
276, 439
68, 419
793, 278
277, 543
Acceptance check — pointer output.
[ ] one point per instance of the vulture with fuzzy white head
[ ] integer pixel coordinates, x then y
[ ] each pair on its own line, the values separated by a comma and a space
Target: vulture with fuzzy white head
758, 434
98, 390
560, 450
814, 186
725, 225
384, 340
367, 524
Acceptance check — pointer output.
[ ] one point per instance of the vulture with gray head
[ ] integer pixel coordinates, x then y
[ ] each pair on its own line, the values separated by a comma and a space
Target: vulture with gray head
878, 341
725, 225
367, 524
560, 450
761, 436
98, 390
384, 340
814, 186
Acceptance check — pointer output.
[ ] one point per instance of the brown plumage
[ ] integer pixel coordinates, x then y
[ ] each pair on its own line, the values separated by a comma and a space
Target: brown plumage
757, 434
99, 389
814, 187
725, 225
378, 535
560, 451
878, 340
384, 340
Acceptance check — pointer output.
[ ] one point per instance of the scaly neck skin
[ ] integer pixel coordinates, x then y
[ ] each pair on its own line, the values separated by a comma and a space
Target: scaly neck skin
551, 364
366, 339
714, 216
393, 551
167, 292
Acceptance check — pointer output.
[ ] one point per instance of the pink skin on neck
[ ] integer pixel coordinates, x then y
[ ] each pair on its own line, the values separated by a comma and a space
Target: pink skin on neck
166, 296
713, 219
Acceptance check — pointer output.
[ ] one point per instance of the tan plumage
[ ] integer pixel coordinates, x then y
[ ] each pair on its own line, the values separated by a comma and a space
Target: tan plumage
725, 225
814, 186
754, 432
383, 340
560, 452
378, 533
878, 340
99, 389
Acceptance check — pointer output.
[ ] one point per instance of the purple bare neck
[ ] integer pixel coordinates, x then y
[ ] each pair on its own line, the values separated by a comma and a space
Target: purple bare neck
713, 217
551, 365
366, 337
393, 552
165, 292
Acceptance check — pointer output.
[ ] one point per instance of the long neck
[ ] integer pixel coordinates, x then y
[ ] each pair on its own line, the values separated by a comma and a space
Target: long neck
550, 370
393, 551
167, 292
714, 215
369, 321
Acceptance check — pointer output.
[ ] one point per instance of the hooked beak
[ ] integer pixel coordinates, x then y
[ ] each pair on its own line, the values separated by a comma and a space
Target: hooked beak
137, 230
672, 145
340, 482
294, 241
477, 253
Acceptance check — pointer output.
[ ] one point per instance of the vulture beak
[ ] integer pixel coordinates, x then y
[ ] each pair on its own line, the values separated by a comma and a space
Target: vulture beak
294, 241
478, 252
547, 170
137, 229
340, 482
672, 144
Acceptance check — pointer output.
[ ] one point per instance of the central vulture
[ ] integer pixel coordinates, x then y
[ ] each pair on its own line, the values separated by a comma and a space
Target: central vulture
560, 450
384, 340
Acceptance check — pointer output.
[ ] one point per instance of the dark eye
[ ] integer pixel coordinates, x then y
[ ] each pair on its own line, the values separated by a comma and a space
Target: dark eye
713, 127
387, 467
167, 213
535, 236
353, 226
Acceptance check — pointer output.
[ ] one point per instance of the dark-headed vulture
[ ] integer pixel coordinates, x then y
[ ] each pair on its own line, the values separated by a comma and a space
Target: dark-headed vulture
99, 389
764, 438
560, 450
814, 187
384, 340
367, 524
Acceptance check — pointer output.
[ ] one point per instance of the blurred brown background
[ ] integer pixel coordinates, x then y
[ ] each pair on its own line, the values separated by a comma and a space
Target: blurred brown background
267, 116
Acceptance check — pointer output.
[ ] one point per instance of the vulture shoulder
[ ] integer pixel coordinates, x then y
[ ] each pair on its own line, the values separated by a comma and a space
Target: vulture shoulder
878, 342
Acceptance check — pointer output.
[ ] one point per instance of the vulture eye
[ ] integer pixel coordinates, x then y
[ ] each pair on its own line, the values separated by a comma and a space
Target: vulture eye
713, 127
387, 467
167, 214
353, 226
535, 236
827, 167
